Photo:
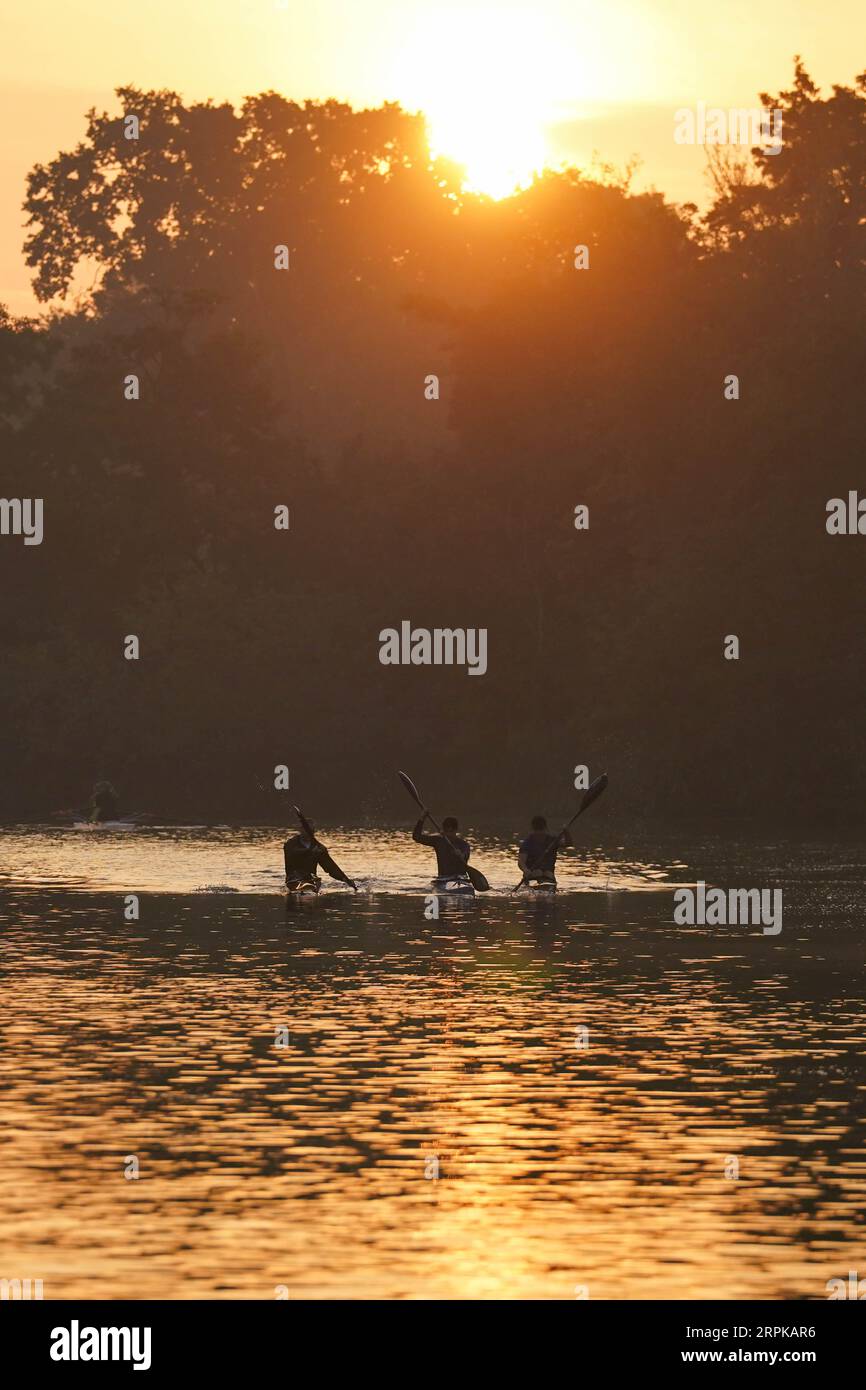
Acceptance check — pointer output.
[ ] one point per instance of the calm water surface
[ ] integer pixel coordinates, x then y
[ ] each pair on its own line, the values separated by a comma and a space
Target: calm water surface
415, 1044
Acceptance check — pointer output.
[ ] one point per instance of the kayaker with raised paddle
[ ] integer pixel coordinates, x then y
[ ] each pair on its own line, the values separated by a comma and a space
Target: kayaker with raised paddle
304, 854
452, 853
537, 854
536, 858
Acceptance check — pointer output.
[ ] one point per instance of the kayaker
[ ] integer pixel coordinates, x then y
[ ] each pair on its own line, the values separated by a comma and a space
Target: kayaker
452, 853
104, 803
536, 858
303, 856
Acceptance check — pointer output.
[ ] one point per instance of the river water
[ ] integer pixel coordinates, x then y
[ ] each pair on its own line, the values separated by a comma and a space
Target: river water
344, 1098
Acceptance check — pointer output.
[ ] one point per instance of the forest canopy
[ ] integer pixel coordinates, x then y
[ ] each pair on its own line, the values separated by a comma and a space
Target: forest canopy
557, 387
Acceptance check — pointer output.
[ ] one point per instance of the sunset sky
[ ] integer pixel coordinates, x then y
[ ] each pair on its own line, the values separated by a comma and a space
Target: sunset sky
506, 86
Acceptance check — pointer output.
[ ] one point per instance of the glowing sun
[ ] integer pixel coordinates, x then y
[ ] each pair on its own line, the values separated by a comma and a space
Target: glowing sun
485, 80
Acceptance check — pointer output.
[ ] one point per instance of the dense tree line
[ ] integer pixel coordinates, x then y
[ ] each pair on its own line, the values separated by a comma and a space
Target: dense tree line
558, 387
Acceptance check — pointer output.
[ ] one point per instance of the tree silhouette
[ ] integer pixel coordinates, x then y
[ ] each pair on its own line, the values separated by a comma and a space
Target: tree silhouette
559, 386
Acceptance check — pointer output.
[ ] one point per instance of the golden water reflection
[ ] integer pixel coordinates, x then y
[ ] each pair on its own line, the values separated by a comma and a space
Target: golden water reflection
559, 1165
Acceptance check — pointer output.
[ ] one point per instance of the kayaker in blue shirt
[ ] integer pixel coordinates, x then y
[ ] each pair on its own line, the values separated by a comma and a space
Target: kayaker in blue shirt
536, 858
452, 853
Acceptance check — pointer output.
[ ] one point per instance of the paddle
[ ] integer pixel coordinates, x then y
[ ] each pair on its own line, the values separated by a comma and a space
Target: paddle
311, 836
476, 878
589, 796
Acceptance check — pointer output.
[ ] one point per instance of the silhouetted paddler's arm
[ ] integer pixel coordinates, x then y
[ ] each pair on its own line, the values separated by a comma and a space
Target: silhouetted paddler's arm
331, 868
420, 837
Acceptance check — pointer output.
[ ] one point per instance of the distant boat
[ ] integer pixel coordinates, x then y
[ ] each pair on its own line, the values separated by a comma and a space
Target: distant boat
126, 824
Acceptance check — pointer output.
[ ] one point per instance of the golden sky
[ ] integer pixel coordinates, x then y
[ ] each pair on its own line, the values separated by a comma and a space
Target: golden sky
505, 85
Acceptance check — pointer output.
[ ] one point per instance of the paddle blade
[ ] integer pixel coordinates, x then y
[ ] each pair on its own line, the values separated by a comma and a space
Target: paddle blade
477, 879
592, 793
411, 788
594, 790
305, 824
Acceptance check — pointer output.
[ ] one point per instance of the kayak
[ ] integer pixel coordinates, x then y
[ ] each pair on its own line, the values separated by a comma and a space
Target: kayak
457, 885
304, 888
542, 886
